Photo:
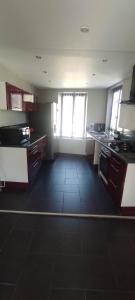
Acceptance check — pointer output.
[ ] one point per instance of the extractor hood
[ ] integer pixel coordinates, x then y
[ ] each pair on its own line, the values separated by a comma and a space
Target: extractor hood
131, 100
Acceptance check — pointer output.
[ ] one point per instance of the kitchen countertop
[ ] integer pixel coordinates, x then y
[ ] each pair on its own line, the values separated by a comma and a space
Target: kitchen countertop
34, 137
104, 140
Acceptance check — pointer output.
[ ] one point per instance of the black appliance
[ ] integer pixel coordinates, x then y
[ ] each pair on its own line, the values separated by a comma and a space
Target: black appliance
131, 100
14, 135
123, 146
104, 158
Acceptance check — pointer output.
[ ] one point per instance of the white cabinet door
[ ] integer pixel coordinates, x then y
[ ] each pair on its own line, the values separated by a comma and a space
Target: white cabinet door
16, 101
3, 96
13, 164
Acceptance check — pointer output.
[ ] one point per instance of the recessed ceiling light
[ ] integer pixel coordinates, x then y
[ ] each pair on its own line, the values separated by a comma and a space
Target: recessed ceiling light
104, 60
93, 74
45, 72
38, 57
49, 81
84, 28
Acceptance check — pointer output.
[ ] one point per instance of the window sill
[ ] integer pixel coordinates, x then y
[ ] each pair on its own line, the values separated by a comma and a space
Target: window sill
70, 138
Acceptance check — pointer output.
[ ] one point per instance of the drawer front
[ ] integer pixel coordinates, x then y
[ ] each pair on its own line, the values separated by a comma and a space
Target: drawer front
117, 172
33, 170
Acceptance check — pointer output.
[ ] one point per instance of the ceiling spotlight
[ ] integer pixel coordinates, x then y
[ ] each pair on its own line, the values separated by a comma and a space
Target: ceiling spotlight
93, 74
104, 60
38, 57
45, 72
49, 81
84, 28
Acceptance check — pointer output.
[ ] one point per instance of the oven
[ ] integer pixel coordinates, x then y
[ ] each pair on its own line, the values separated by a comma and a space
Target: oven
103, 168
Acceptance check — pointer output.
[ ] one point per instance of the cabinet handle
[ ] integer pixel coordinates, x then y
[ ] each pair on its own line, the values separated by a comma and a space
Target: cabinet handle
102, 154
115, 160
115, 169
35, 164
113, 184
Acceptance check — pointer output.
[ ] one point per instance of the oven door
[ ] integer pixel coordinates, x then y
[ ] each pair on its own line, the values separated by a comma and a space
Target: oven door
104, 167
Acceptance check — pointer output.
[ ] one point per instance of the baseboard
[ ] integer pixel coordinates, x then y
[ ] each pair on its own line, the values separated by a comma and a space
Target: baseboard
128, 211
70, 155
16, 185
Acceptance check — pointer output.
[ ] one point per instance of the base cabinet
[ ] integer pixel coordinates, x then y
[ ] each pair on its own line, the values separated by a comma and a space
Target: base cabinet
35, 155
19, 166
117, 173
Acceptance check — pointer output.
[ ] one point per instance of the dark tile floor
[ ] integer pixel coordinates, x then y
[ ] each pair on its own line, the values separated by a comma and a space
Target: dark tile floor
68, 185
64, 258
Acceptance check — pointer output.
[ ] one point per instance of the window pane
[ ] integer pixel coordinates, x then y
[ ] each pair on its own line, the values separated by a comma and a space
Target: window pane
115, 109
78, 120
67, 116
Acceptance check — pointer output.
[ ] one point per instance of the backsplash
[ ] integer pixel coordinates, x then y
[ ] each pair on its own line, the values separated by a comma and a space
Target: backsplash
11, 118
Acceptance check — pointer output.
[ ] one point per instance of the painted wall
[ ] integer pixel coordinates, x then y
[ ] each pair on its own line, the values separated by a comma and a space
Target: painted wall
96, 112
9, 117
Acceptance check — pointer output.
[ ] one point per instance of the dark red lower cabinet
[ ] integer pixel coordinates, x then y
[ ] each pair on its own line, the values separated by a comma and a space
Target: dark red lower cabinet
35, 155
117, 173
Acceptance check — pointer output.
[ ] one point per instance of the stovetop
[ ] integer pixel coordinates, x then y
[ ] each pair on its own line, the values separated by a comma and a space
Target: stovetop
123, 146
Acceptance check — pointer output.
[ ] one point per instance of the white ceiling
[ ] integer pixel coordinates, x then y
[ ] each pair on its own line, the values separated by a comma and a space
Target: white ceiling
51, 28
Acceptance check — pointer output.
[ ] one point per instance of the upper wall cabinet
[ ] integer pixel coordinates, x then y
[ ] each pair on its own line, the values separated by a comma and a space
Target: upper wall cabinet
16, 99
3, 96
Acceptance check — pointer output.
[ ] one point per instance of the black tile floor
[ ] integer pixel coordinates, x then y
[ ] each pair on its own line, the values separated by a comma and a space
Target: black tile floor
64, 258
68, 185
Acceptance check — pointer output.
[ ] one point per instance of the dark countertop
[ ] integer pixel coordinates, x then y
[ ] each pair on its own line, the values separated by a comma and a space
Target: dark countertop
128, 157
34, 137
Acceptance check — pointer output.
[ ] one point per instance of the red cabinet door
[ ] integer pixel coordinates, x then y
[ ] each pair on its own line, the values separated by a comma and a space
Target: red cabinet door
117, 173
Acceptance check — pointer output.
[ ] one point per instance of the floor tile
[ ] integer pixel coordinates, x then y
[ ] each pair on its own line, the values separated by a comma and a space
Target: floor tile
65, 175
6, 292
67, 294
109, 295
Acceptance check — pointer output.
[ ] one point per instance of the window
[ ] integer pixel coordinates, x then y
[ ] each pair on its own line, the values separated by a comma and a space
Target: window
70, 115
117, 93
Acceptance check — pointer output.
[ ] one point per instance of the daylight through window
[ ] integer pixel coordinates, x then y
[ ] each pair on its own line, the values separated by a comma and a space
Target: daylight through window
70, 115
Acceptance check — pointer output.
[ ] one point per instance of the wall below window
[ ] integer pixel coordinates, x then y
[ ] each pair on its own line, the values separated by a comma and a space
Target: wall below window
96, 112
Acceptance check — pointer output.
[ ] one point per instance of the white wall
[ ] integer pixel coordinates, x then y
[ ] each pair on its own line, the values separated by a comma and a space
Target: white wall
96, 112
10, 117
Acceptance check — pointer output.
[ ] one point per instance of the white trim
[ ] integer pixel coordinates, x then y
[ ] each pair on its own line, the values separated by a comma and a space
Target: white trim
67, 214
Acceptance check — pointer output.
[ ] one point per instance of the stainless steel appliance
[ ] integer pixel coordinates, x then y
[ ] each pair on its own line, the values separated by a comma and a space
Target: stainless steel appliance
14, 135
103, 170
96, 127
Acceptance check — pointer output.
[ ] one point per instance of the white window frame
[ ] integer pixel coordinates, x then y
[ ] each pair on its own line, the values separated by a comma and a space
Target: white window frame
74, 94
119, 88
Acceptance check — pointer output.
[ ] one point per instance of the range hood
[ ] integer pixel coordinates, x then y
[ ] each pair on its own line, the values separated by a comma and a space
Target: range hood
131, 100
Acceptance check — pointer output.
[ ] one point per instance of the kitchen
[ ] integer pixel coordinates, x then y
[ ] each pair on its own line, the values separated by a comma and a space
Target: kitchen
67, 149
24, 160
50, 99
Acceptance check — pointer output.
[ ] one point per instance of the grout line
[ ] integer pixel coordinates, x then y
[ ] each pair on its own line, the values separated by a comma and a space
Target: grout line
93, 216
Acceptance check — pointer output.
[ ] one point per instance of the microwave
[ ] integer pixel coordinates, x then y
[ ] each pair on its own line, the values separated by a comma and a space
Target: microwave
14, 135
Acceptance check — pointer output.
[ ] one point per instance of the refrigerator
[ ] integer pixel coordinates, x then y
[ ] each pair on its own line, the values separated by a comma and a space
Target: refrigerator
43, 122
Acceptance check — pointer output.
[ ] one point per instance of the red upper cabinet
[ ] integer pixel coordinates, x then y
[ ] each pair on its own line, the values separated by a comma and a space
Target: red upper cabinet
29, 102
20, 100
16, 99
